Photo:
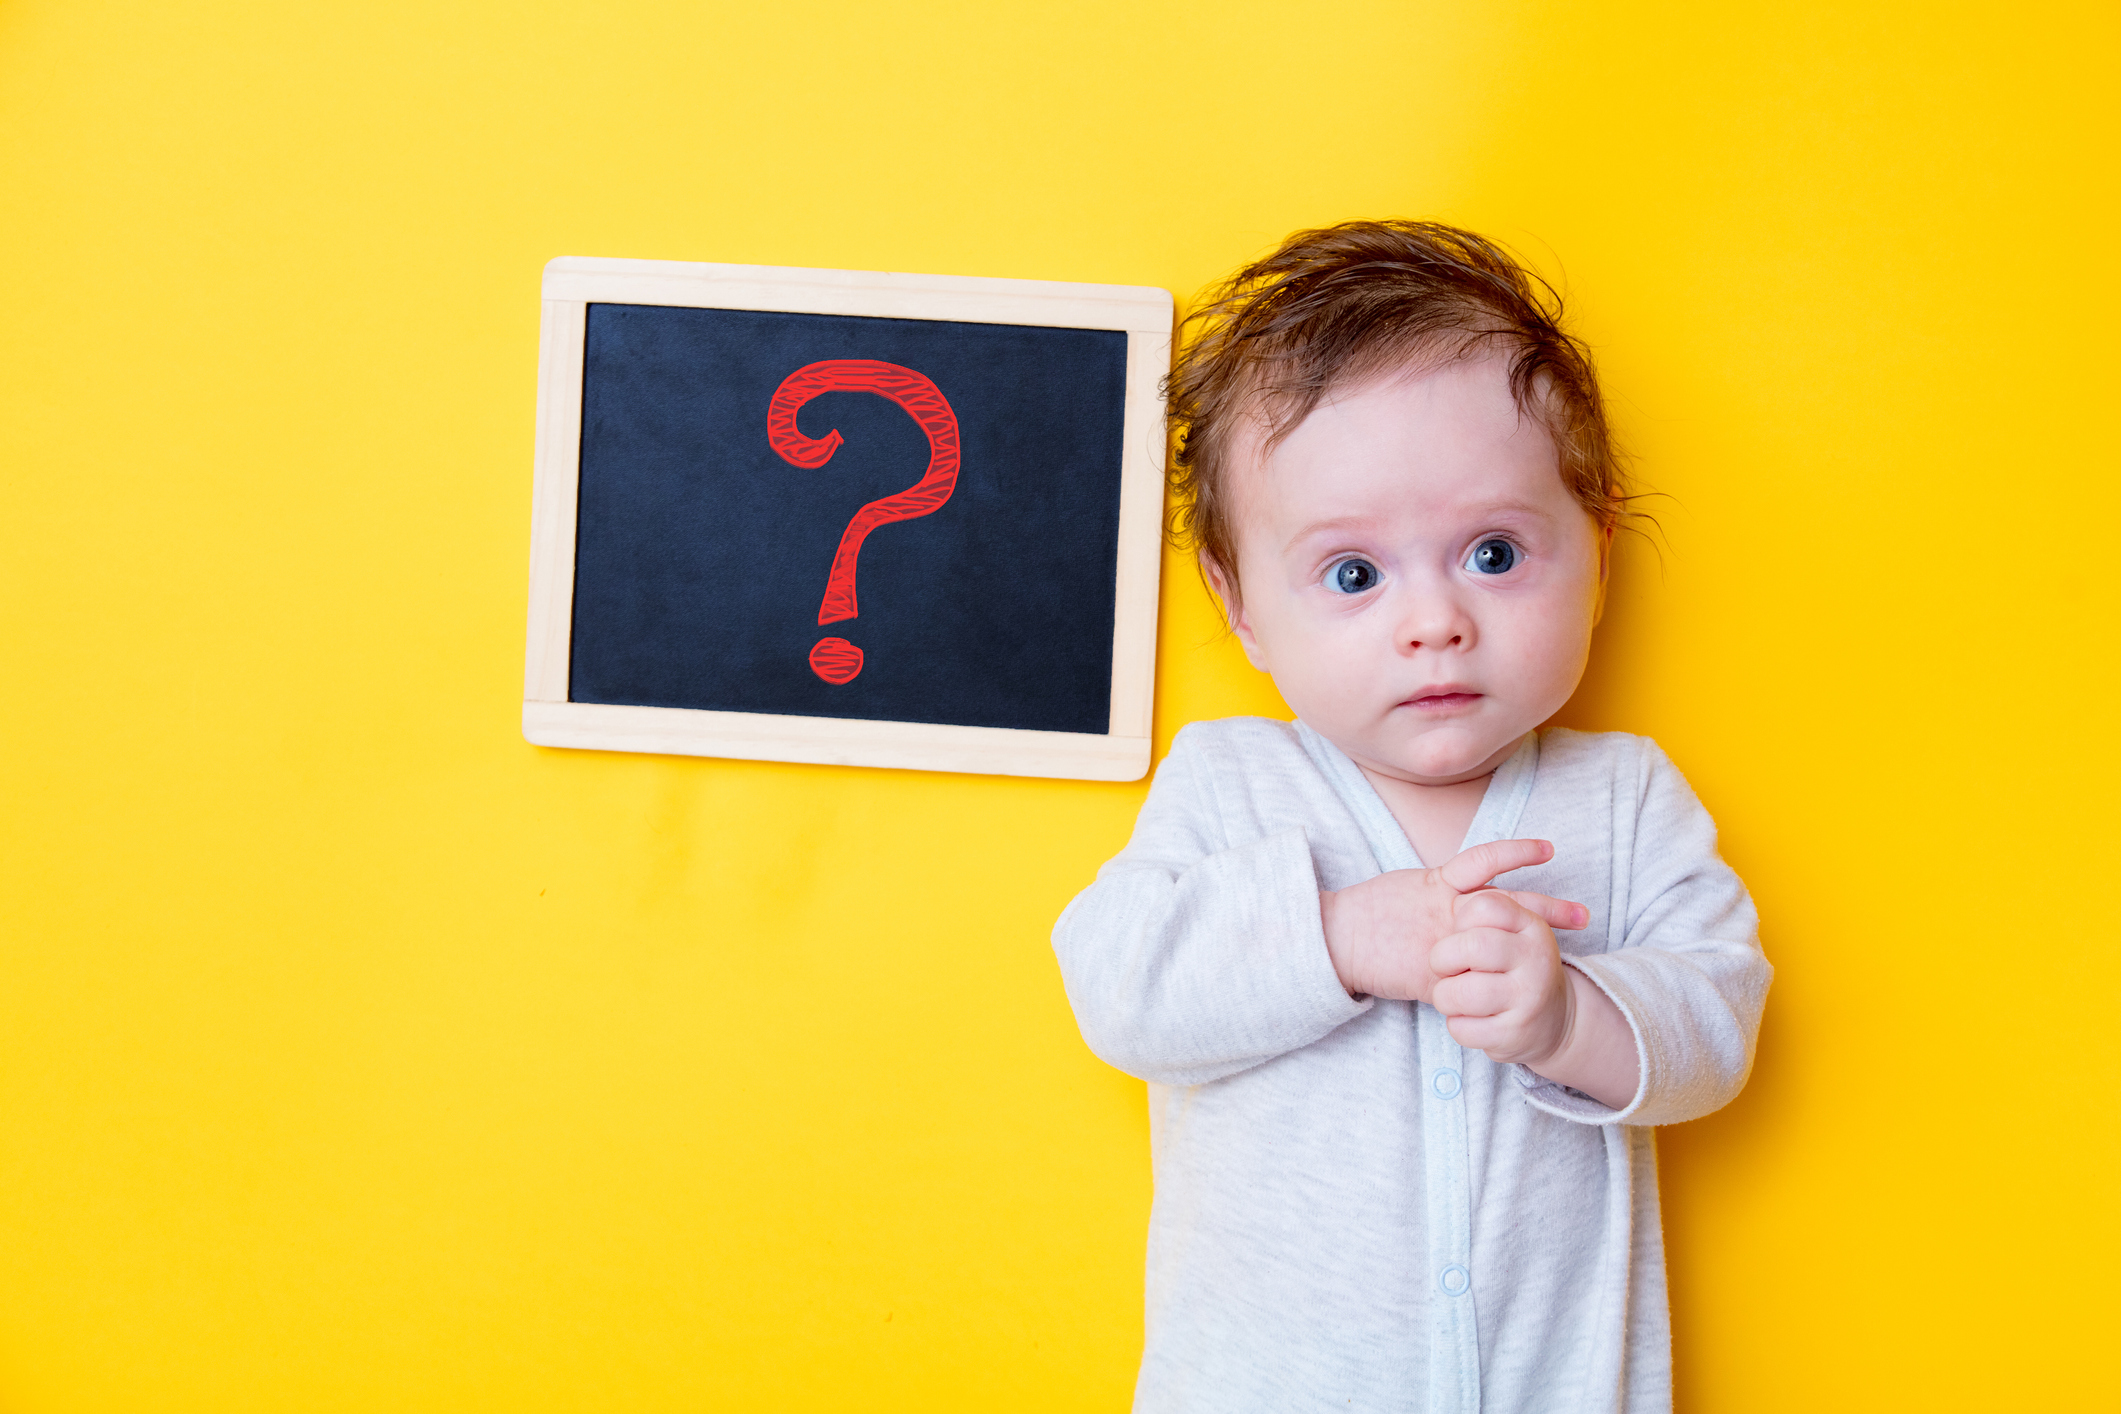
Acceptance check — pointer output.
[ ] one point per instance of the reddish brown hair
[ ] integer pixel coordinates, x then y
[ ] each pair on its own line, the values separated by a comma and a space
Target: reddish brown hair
1334, 307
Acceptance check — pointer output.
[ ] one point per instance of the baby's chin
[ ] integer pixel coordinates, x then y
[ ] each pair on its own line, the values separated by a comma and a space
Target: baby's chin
1440, 756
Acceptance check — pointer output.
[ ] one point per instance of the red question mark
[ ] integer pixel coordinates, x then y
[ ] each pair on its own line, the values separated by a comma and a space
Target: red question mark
835, 659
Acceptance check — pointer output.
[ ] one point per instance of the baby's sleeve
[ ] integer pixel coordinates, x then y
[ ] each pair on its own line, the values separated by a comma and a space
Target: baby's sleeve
1685, 967
1190, 959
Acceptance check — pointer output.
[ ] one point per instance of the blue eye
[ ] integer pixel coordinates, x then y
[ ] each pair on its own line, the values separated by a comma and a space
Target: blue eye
1352, 577
1492, 557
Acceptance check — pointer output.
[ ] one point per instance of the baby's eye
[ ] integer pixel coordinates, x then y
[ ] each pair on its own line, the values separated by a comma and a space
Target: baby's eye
1492, 557
1352, 577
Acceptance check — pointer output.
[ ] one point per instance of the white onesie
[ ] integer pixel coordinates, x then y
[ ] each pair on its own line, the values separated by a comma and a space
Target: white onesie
1353, 1212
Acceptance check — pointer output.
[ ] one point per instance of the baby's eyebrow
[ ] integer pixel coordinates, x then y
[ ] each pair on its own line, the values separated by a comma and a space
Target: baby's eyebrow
1513, 508
1490, 512
1320, 527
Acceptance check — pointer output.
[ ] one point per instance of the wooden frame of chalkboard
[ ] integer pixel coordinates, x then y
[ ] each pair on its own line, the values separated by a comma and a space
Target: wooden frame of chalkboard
579, 291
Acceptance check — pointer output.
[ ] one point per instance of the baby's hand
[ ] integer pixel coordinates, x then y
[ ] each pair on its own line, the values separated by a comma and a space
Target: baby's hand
1380, 932
1502, 988
1500, 983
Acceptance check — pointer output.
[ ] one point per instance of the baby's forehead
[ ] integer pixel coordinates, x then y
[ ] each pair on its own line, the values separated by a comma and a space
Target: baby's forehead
1451, 436
1418, 401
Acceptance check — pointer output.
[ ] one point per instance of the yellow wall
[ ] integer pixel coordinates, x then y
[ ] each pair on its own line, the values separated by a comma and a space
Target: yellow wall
356, 1055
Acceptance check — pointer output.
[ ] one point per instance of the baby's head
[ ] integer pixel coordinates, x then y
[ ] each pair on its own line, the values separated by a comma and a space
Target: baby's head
1395, 468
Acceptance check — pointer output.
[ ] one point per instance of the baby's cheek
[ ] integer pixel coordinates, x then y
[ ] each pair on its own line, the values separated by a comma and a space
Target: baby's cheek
1554, 639
1333, 670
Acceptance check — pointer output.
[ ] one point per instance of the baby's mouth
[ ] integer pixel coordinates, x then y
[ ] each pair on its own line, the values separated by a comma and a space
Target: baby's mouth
1442, 699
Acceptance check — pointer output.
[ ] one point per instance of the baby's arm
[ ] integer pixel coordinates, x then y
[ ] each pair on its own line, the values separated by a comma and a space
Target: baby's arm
1379, 932
1191, 959
1486, 958
1683, 975
1504, 990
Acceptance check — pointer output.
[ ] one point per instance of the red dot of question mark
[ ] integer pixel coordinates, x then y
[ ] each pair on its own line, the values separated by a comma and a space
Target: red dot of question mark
835, 659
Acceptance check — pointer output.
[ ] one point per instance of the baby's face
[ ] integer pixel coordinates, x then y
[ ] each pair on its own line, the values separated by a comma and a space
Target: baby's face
1414, 574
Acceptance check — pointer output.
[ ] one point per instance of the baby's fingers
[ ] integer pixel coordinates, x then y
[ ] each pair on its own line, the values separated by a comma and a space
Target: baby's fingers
1474, 994
1472, 869
1475, 950
1556, 912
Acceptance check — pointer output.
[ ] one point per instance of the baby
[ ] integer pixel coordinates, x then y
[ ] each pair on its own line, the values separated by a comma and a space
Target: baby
1401, 1129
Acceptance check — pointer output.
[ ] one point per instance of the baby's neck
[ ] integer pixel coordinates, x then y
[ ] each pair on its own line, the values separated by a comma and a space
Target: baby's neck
1435, 818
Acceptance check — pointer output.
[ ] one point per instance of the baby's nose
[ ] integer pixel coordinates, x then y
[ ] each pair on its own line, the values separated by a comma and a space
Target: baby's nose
1436, 621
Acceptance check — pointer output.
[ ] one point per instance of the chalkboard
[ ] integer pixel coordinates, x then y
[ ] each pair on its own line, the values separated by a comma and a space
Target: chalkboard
847, 517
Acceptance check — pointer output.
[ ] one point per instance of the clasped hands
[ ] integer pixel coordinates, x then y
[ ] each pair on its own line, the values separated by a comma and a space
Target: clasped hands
1487, 959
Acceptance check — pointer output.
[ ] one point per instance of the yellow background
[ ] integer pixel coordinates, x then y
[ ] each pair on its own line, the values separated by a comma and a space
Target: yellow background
356, 1055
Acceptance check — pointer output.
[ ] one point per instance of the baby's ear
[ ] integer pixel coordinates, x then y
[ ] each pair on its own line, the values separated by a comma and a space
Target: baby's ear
1224, 585
1605, 572
1220, 584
